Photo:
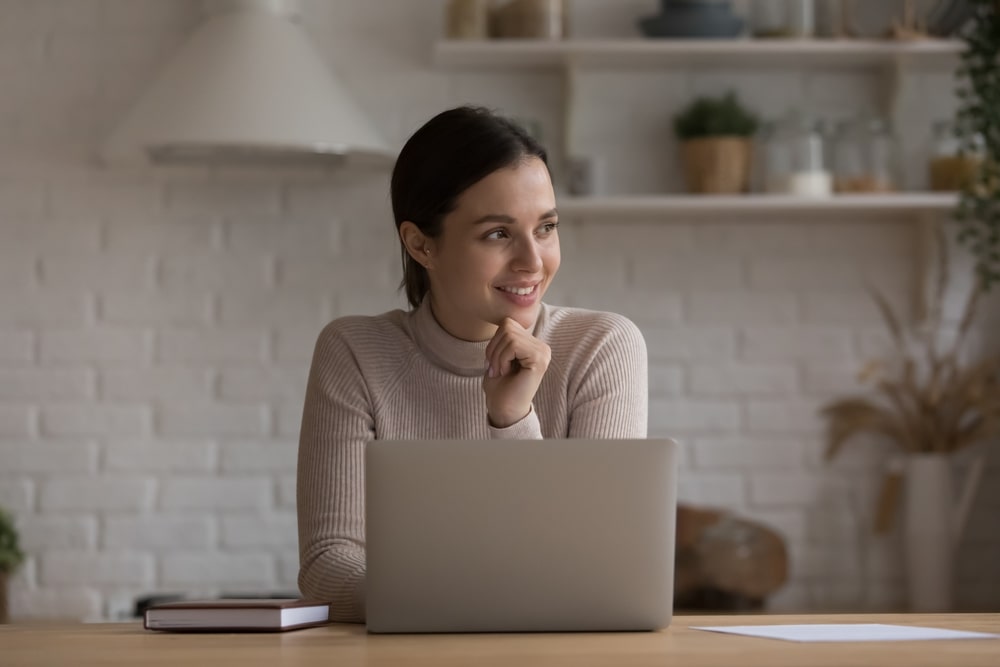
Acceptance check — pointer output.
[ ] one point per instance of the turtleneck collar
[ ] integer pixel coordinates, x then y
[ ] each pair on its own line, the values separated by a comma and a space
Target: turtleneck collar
458, 356
454, 354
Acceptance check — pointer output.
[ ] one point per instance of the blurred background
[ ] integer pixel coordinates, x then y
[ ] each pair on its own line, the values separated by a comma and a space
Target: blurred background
157, 321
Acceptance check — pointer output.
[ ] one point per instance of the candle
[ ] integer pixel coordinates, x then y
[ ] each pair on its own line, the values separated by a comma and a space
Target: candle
813, 183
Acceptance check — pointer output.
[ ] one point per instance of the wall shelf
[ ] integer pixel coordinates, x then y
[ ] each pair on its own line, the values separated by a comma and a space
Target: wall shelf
601, 53
914, 205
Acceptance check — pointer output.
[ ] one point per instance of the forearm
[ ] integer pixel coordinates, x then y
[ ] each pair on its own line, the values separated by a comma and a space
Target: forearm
336, 424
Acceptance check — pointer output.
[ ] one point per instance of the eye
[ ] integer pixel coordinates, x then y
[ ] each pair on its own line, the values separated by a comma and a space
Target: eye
496, 235
550, 227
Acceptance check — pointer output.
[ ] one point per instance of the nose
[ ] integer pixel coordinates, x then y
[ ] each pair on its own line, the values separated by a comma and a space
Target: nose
527, 256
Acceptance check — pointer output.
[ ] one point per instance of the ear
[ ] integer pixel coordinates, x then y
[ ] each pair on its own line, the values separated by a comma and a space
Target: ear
417, 244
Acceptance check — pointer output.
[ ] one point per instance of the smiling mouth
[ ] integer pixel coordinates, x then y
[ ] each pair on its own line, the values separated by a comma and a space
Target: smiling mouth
519, 291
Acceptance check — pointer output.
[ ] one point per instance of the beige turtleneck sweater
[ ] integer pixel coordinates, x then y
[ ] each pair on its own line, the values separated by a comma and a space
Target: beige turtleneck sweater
399, 375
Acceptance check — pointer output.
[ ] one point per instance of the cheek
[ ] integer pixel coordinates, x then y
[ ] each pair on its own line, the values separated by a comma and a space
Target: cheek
471, 269
553, 258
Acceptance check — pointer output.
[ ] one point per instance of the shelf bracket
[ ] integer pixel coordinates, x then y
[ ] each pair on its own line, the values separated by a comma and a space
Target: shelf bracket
930, 237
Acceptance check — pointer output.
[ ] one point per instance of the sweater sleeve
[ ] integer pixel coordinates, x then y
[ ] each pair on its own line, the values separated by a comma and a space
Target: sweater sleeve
612, 397
337, 423
529, 428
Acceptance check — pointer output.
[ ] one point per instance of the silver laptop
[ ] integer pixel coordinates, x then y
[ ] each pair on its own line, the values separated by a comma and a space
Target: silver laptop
520, 535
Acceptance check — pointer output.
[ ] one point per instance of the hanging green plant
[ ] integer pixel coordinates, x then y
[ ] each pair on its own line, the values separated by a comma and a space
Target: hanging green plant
978, 125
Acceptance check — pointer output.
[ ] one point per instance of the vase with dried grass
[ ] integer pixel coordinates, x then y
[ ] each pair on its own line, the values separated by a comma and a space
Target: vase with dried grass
930, 403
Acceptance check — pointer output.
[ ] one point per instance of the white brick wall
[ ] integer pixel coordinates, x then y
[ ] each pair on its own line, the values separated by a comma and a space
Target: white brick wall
15, 347
16, 495
230, 571
99, 271
166, 310
212, 420
109, 568
69, 603
16, 421
157, 534
211, 493
156, 384
265, 532
186, 347
56, 236
105, 347
161, 456
69, 532
156, 326
31, 384
37, 308
97, 494
95, 420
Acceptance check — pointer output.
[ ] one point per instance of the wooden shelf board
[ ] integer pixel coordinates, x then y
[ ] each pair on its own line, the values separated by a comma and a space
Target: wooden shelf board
630, 206
600, 53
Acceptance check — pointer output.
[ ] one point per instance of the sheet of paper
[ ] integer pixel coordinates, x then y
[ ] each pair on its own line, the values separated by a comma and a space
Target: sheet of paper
845, 632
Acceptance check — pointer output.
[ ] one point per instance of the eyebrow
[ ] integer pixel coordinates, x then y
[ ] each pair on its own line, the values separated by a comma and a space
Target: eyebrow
508, 220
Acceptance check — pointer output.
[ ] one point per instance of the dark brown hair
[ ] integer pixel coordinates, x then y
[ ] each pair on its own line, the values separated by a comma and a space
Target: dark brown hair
448, 154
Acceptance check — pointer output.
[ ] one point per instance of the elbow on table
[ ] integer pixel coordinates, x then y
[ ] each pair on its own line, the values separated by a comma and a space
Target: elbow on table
339, 579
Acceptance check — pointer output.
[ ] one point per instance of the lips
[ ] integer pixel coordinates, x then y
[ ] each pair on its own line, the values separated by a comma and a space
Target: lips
519, 290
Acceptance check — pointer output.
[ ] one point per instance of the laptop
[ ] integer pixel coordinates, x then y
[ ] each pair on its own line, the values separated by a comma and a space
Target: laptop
558, 535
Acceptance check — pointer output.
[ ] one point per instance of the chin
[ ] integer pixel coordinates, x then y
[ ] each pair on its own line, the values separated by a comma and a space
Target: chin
526, 316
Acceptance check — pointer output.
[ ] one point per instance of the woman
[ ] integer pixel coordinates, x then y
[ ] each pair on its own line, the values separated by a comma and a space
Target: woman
478, 355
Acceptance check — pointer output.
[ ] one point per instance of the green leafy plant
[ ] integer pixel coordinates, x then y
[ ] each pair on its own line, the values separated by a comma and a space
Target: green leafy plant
978, 119
715, 117
11, 555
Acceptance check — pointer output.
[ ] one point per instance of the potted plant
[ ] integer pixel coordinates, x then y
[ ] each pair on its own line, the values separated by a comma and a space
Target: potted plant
11, 557
978, 211
929, 403
715, 135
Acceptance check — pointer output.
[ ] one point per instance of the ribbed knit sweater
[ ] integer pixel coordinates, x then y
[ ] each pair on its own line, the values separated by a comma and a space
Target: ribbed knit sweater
400, 375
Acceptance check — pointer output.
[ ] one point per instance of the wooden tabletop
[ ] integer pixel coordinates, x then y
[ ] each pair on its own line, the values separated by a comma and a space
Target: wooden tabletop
24, 645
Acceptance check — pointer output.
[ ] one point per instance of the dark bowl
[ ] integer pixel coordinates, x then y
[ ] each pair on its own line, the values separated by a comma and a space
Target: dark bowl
691, 24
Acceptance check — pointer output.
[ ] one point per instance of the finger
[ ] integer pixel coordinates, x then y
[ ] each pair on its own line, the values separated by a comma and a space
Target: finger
536, 355
507, 327
503, 341
510, 324
498, 337
530, 352
497, 358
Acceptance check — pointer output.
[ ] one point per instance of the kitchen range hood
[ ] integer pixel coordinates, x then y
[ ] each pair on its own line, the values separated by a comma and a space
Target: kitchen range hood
247, 87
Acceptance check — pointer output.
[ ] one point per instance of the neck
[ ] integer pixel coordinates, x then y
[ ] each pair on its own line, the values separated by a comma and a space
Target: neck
474, 332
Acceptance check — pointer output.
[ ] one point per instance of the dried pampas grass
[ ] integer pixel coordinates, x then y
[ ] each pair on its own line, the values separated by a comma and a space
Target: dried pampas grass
923, 400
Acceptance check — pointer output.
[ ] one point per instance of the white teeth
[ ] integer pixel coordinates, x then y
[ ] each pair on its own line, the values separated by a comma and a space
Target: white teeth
520, 291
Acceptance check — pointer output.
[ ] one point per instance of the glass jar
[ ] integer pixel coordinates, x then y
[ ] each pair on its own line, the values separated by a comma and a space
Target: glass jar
864, 156
783, 18
467, 19
951, 165
531, 19
796, 158
831, 19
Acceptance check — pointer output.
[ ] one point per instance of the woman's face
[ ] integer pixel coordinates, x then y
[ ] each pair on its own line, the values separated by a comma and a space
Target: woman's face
497, 252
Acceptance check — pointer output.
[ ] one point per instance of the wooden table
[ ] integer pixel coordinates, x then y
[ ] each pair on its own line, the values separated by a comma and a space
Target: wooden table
348, 646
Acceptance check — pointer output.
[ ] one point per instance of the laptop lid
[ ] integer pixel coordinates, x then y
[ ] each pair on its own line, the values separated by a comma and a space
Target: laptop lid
520, 535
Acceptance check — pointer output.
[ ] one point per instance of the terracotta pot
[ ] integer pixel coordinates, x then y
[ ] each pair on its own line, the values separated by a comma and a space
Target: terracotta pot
716, 165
